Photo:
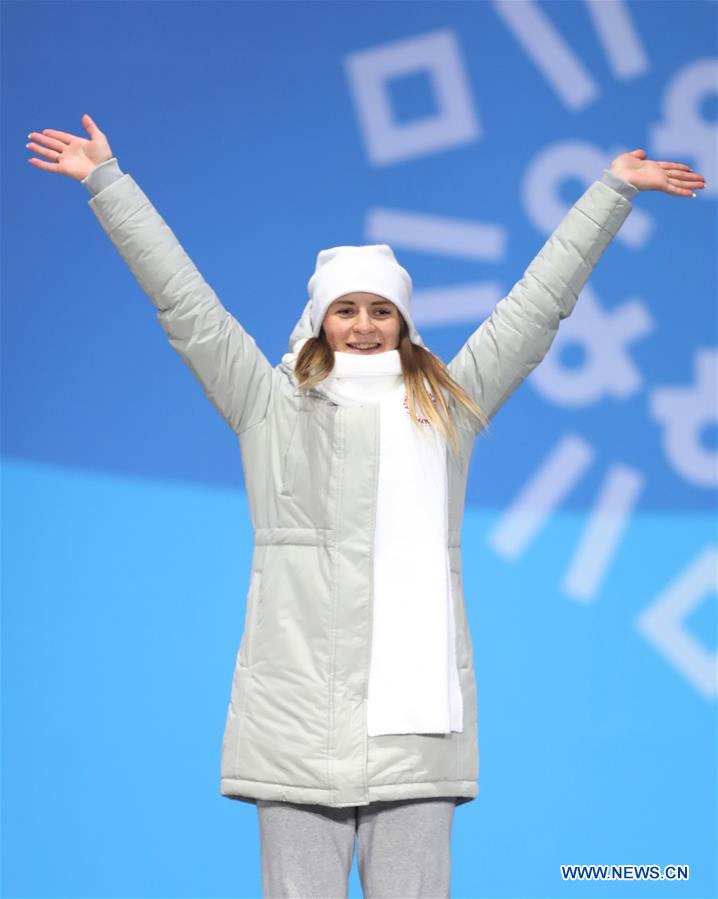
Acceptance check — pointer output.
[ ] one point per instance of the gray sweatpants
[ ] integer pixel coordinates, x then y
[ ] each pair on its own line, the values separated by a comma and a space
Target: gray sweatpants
403, 849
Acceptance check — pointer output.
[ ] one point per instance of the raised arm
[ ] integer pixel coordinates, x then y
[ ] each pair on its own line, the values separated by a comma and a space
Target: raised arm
518, 333
234, 373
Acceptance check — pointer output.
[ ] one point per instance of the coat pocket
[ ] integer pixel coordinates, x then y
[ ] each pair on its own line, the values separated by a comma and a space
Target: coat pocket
244, 656
289, 461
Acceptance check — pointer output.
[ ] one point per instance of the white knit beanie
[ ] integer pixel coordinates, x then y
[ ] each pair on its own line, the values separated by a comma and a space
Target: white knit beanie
371, 268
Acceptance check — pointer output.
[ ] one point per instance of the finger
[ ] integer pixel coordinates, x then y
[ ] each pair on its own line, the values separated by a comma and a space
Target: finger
90, 124
674, 165
686, 179
679, 190
60, 135
48, 166
683, 176
48, 141
45, 151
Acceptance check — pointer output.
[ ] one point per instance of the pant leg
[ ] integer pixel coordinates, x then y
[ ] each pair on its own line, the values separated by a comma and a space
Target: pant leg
306, 850
403, 848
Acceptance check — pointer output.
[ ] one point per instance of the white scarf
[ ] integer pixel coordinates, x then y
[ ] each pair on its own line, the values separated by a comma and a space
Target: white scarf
413, 682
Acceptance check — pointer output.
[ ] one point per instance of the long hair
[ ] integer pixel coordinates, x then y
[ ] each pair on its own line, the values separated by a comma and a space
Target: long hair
419, 367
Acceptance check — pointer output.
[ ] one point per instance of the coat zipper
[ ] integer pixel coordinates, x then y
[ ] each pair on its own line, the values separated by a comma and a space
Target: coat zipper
371, 552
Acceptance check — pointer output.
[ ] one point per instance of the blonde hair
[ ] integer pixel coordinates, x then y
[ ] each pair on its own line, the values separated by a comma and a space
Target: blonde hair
419, 367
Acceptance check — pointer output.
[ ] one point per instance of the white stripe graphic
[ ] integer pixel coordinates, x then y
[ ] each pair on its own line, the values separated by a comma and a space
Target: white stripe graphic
663, 623
551, 482
619, 39
440, 234
554, 58
605, 525
456, 303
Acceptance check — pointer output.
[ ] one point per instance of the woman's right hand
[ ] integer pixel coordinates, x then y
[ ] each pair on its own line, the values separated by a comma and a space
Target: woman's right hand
70, 155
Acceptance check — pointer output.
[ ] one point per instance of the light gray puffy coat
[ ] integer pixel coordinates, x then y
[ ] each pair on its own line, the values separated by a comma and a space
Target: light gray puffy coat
296, 725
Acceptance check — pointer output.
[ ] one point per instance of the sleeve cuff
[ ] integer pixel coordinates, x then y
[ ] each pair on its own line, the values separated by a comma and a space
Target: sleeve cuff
625, 188
102, 176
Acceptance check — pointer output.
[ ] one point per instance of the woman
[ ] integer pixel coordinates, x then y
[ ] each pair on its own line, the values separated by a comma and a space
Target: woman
353, 701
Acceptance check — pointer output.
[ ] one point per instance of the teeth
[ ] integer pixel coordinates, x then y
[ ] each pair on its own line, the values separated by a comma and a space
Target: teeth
364, 346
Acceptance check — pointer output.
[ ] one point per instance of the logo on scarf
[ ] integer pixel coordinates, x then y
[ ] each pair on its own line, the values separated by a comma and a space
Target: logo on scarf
423, 421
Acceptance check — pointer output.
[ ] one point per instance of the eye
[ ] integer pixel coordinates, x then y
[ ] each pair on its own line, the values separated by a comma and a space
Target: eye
382, 312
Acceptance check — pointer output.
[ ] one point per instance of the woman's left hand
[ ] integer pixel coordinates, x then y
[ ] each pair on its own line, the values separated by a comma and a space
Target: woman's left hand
647, 174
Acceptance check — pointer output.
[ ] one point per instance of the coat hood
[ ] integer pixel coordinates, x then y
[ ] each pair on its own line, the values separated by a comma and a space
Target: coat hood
302, 331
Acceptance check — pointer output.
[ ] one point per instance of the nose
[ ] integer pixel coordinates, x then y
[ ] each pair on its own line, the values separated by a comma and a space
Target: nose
364, 324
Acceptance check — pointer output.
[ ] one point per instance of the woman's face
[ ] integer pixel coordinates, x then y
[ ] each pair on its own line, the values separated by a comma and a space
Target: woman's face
359, 320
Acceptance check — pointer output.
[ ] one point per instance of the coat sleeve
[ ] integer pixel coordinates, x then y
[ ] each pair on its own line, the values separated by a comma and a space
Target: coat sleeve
233, 372
518, 333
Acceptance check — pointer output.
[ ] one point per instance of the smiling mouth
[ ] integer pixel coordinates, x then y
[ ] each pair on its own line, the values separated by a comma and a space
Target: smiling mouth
363, 347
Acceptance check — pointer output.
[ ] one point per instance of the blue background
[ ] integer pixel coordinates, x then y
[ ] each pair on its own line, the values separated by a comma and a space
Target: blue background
126, 534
